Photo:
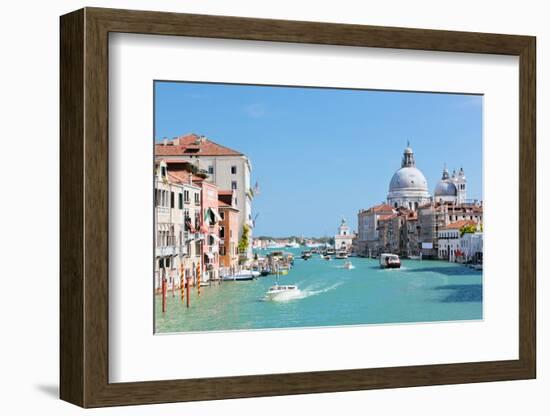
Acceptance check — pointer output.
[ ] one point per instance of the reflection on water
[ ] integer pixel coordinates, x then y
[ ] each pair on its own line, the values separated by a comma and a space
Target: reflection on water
329, 295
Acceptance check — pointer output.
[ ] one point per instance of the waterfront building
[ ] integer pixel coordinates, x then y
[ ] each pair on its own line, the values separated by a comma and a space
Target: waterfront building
408, 224
225, 167
433, 217
449, 247
388, 234
176, 201
209, 228
367, 228
191, 200
408, 186
410, 233
471, 245
229, 231
343, 239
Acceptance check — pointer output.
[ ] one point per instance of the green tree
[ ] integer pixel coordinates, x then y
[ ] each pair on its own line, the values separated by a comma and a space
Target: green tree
469, 228
245, 239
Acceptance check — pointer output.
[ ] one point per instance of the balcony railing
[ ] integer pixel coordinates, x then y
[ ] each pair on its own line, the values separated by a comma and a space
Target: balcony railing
165, 251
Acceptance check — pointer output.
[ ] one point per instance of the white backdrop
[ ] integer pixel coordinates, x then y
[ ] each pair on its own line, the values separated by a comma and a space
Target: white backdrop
136, 60
29, 225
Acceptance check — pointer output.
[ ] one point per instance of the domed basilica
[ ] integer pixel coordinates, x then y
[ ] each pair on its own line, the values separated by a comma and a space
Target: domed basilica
409, 188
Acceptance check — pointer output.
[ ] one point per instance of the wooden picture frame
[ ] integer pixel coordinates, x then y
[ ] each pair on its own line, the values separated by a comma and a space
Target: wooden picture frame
84, 207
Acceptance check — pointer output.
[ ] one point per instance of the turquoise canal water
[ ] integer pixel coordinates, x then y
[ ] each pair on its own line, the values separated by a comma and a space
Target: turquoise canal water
421, 291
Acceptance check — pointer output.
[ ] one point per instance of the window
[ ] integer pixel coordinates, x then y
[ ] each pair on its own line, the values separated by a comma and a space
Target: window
163, 171
233, 184
222, 251
171, 199
197, 199
180, 200
222, 215
186, 196
233, 170
222, 232
211, 169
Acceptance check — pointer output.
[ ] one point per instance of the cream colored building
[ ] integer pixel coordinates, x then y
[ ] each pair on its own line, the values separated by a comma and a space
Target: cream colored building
344, 237
225, 167
177, 219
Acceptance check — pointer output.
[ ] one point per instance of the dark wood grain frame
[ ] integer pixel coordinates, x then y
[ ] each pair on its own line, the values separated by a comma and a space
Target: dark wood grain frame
84, 218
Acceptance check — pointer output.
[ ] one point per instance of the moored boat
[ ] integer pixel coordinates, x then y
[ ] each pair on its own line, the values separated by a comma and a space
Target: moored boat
243, 275
341, 255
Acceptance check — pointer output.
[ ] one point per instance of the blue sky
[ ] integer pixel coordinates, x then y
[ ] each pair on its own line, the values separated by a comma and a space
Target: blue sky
320, 154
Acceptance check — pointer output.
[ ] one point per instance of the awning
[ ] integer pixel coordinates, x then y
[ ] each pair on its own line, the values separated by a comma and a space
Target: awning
215, 237
209, 255
216, 215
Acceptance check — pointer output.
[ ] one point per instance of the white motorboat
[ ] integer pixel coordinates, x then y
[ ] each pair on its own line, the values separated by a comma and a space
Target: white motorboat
277, 291
281, 292
341, 255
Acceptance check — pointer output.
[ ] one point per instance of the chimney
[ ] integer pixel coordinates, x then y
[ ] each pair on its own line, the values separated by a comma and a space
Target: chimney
176, 141
164, 141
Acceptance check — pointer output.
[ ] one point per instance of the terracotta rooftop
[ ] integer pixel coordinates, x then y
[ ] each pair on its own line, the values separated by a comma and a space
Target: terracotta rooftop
459, 224
226, 197
193, 145
380, 208
225, 205
179, 177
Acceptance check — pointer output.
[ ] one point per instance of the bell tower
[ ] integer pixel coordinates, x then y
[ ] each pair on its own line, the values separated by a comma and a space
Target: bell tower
461, 186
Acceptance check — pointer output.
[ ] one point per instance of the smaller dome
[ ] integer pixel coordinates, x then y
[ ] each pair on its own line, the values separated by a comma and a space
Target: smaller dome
445, 188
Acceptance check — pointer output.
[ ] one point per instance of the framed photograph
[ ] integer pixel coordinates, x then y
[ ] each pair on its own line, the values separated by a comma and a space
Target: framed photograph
255, 207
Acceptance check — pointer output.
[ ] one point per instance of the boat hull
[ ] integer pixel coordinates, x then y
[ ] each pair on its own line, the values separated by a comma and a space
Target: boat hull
390, 266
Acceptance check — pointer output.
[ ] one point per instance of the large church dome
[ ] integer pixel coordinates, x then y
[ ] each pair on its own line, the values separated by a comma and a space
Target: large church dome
408, 178
408, 186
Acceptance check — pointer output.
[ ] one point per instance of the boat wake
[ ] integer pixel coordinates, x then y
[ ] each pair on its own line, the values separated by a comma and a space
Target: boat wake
301, 293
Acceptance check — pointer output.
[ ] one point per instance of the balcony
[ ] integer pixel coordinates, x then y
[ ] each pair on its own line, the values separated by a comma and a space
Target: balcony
163, 210
166, 251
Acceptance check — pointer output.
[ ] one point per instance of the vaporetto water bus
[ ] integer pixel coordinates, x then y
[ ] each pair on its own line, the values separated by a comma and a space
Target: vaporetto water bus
389, 261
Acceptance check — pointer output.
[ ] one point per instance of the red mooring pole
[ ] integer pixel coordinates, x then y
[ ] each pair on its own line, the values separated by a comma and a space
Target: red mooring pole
187, 284
164, 293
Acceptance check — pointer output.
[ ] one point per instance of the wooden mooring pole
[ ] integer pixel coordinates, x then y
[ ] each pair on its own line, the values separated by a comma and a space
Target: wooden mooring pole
164, 284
